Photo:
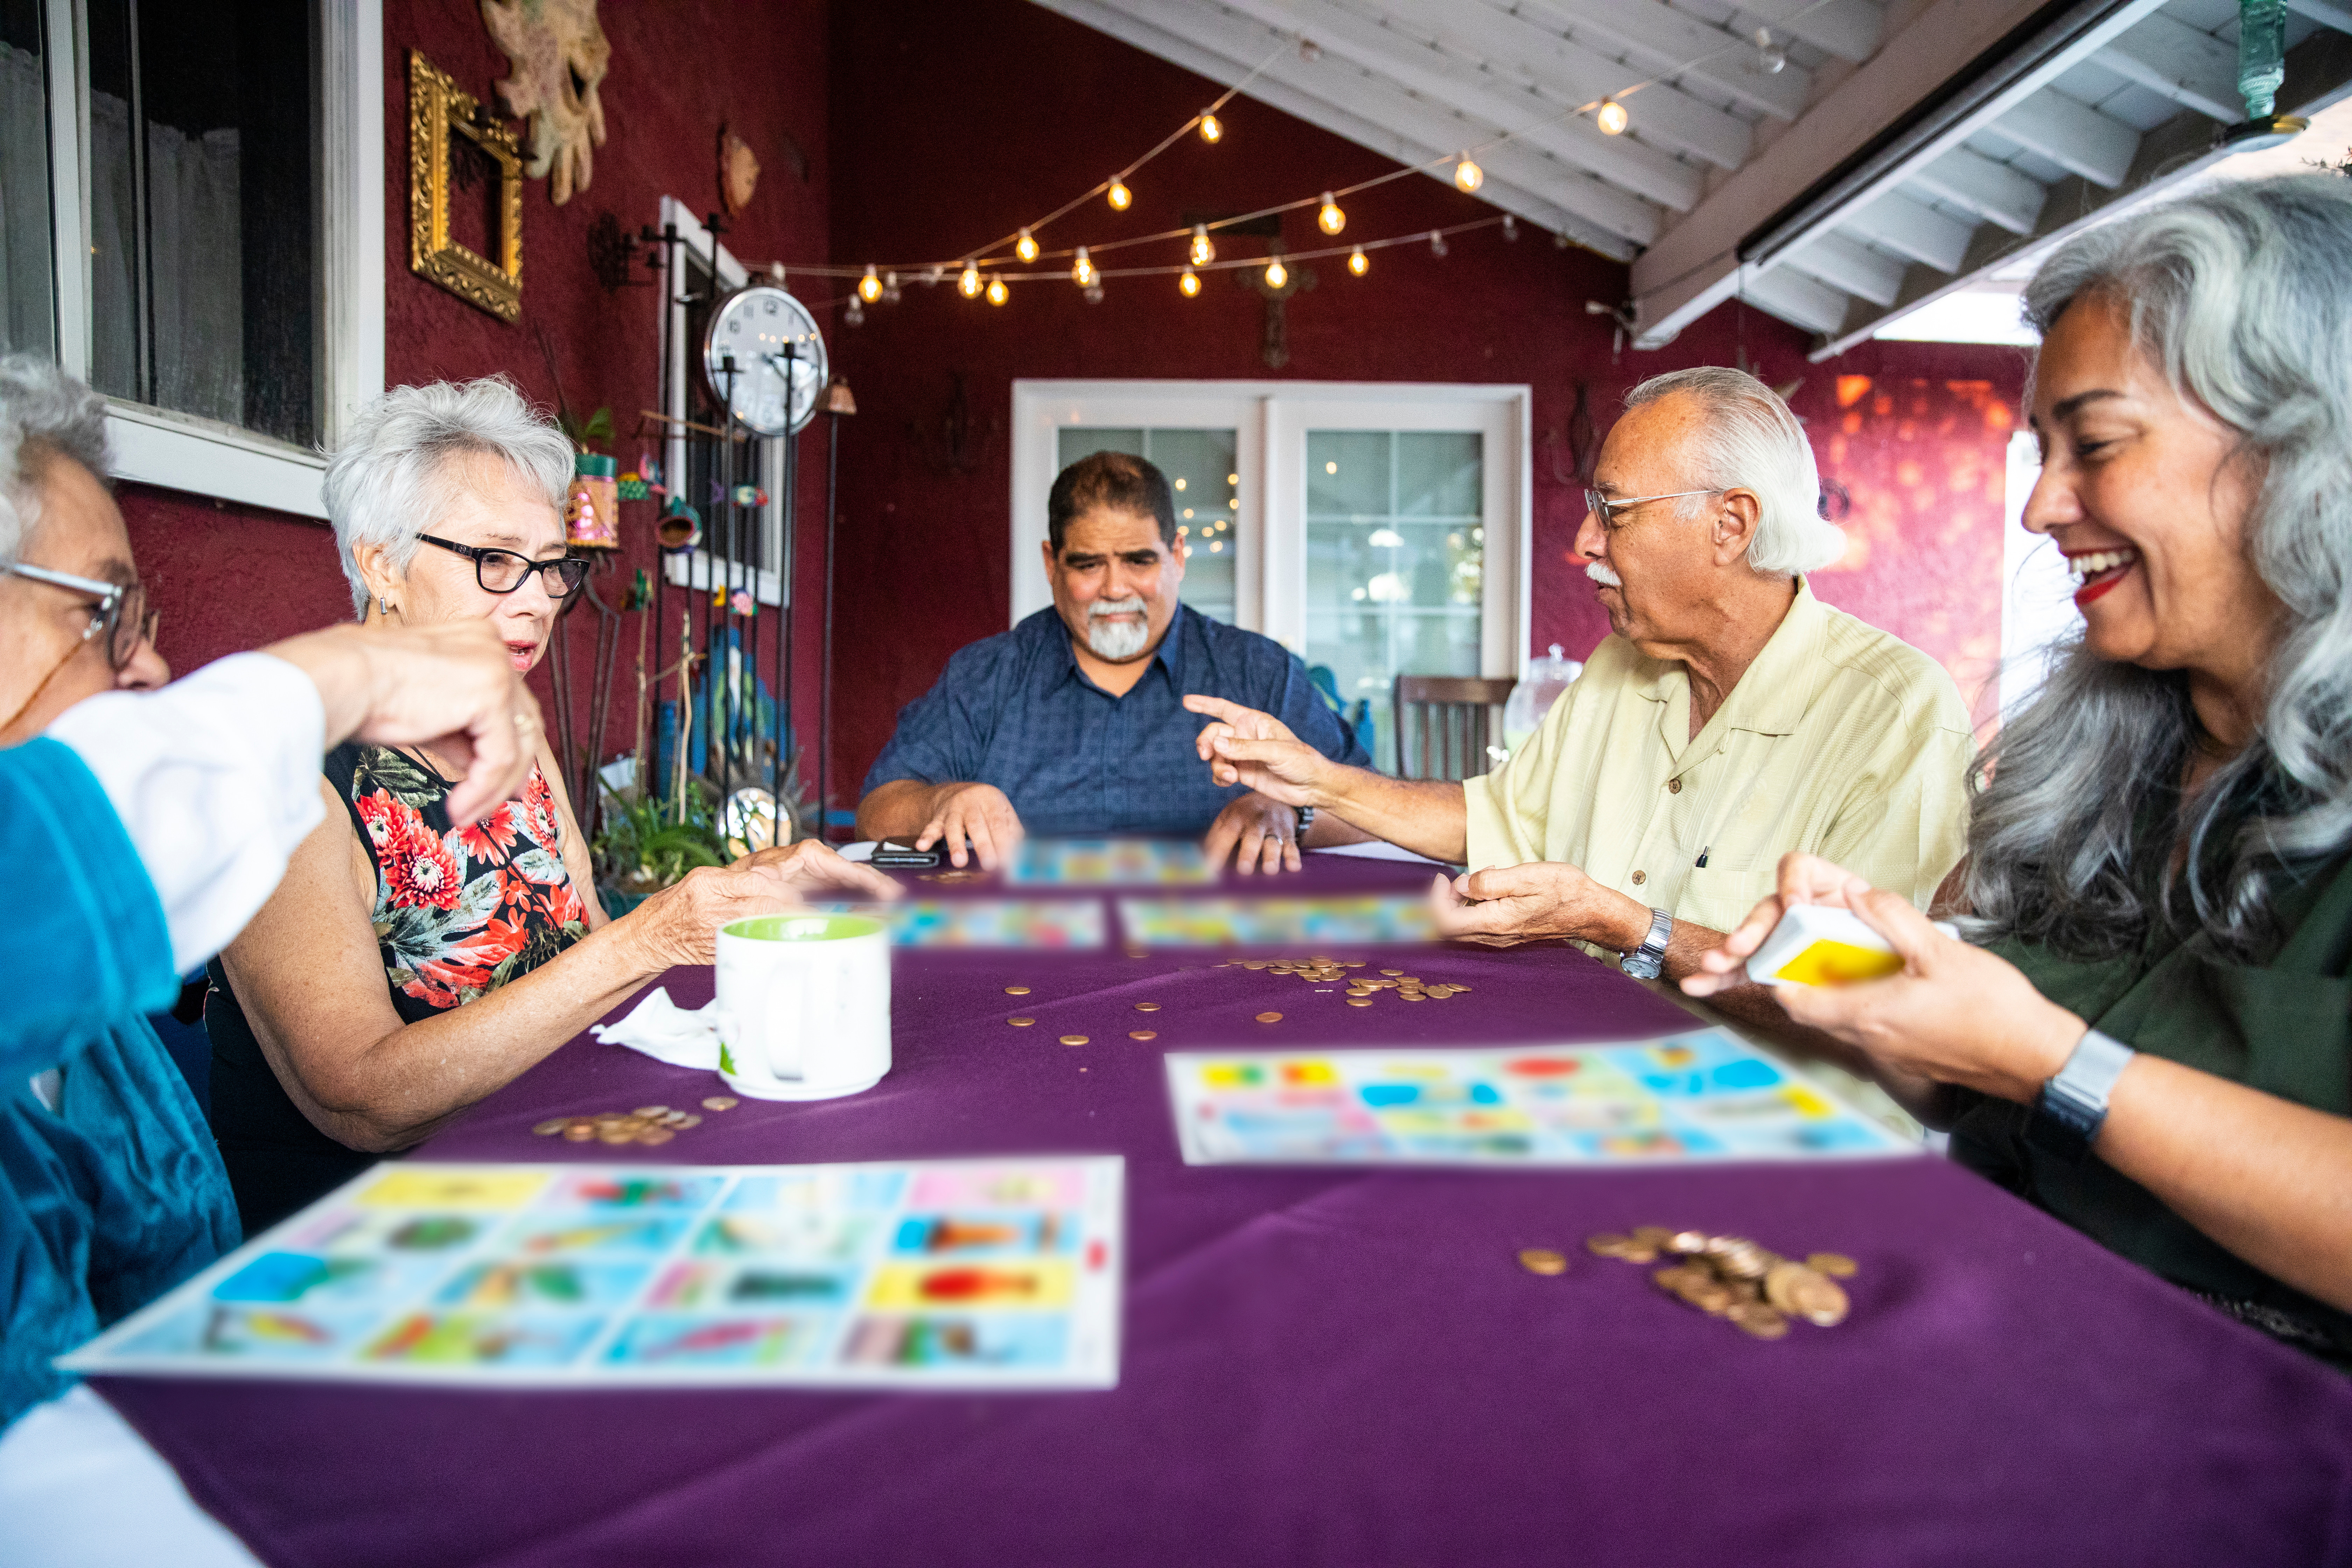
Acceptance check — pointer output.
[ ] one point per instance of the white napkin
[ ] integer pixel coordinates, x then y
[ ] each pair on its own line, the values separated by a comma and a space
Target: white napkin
682, 1036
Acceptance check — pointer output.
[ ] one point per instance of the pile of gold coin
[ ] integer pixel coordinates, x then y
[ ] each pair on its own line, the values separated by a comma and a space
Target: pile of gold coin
1324, 969
650, 1124
1732, 1277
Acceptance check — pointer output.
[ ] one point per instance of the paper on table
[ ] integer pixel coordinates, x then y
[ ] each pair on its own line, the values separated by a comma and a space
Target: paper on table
997, 1273
682, 1036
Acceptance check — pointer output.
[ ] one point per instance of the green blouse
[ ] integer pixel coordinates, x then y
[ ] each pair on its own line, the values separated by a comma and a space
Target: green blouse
2283, 1026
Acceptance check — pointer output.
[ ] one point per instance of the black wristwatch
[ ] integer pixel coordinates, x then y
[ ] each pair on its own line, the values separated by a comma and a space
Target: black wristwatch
1305, 818
2072, 1107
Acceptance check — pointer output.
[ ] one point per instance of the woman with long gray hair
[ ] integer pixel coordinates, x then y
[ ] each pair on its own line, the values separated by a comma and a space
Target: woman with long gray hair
2148, 1029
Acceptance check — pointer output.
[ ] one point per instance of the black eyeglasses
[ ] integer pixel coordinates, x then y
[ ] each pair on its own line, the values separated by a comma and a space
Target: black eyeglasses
121, 615
503, 571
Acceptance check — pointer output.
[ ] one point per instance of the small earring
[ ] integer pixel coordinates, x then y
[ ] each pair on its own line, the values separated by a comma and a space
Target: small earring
383, 607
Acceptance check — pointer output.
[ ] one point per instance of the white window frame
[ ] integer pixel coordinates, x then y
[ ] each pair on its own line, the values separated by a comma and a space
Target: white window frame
184, 452
1270, 420
693, 569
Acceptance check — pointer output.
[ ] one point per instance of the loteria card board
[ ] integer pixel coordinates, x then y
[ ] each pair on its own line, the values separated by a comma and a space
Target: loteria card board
1703, 1097
1029, 925
1108, 863
958, 1274
1355, 919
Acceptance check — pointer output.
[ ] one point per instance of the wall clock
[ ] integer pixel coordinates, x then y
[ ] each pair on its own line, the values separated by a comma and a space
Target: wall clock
744, 360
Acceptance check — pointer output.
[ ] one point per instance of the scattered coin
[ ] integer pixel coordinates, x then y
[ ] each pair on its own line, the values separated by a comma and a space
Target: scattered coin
1542, 1260
1017, 991
1412, 997
656, 1135
1020, 1023
1269, 1017
721, 1102
1758, 1320
1074, 1039
1147, 1006
1836, 1265
1137, 952
1609, 1244
550, 1129
579, 1132
616, 1135
1732, 1277
1143, 1033
686, 1121
1654, 1237
651, 1111
1359, 1001
1393, 972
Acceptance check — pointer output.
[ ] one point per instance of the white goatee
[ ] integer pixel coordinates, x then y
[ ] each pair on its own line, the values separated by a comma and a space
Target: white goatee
1118, 640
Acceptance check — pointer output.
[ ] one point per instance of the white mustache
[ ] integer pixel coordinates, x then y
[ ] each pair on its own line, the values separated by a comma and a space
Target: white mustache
1101, 607
1603, 576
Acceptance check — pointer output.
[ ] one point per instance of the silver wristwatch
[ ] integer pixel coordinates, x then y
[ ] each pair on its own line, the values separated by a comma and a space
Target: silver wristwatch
1645, 961
2065, 1118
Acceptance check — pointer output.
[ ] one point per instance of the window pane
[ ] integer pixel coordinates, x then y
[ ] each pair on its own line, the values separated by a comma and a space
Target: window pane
204, 233
27, 309
1395, 561
1201, 469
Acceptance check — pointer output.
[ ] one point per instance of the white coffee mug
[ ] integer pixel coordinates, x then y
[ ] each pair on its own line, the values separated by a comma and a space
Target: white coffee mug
803, 1005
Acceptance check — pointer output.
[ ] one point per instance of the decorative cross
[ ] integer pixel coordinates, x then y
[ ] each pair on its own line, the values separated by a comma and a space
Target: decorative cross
1277, 350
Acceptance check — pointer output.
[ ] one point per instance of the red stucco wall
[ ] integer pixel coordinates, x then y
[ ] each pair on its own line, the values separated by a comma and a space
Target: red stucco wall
953, 123
229, 577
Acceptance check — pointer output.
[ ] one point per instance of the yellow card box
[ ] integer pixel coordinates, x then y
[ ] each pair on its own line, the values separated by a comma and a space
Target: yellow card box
1814, 945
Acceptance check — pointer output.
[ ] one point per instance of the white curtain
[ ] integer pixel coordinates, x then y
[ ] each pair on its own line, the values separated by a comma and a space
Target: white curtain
24, 311
198, 264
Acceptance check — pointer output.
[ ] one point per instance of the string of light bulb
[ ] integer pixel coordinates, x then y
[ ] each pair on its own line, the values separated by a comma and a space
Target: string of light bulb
1611, 117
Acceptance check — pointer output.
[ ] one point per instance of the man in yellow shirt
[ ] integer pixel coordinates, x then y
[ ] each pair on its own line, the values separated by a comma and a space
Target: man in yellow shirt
1729, 717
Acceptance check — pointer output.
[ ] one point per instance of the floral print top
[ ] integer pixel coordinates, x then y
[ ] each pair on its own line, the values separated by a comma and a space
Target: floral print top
459, 910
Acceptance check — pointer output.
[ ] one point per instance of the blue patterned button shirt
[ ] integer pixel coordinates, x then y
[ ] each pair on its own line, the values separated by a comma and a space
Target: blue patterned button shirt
1016, 711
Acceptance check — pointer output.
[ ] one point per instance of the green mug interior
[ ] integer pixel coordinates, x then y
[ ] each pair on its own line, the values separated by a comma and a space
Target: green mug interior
803, 928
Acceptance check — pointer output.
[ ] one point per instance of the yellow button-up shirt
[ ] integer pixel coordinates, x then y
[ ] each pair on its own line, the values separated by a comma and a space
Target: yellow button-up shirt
1839, 739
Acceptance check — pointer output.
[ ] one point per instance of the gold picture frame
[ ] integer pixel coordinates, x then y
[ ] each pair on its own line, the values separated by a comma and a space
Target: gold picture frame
436, 111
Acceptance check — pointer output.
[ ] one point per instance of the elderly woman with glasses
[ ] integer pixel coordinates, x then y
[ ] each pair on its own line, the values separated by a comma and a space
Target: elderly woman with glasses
410, 965
2147, 1031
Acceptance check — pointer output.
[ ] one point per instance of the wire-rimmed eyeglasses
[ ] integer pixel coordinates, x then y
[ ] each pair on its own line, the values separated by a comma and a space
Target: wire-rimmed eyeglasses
503, 571
121, 614
1606, 509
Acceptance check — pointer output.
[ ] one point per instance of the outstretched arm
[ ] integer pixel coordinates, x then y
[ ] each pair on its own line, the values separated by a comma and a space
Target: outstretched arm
950, 814
1244, 746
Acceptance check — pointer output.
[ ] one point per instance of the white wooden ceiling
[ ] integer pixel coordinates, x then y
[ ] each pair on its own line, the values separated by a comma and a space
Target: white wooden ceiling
1422, 80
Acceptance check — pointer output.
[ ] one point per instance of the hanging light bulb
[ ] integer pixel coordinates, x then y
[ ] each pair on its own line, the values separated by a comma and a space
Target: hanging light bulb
890, 294
997, 292
1121, 198
869, 288
1436, 242
969, 285
1276, 274
1082, 272
1203, 251
1025, 248
1467, 175
854, 313
1358, 262
1188, 285
1510, 227
1092, 292
1213, 129
1611, 117
1771, 59
1330, 220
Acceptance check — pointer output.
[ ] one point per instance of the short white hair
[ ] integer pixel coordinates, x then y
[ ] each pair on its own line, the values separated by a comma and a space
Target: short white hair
395, 471
45, 414
1750, 441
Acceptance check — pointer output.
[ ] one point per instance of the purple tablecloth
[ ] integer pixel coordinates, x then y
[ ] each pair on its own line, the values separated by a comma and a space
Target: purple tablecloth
1336, 1367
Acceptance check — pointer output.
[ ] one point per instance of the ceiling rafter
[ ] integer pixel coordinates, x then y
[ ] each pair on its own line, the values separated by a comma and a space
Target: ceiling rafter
1658, 38
1488, 100
2196, 70
1847, 28
1553, 208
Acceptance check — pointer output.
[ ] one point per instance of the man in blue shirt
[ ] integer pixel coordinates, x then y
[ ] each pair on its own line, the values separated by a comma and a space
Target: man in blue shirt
1073, 722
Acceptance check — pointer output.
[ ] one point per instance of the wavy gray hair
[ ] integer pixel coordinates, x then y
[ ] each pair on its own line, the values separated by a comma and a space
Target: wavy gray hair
2243, 295
1751, 441
395, 471
44, 414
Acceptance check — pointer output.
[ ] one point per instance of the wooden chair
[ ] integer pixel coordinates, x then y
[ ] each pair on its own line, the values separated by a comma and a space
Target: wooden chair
1455, 718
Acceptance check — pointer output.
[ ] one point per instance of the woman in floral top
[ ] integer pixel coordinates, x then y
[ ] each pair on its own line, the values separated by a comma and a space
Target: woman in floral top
409, 966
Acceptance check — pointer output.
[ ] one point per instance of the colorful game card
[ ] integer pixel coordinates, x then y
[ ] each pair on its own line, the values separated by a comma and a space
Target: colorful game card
1703, 1097
964, 1274
1067, 925
1109, 863
1275, 922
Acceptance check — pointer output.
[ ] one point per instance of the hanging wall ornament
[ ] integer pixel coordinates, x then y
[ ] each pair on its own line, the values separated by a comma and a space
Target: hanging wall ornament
738, 172
558, 56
